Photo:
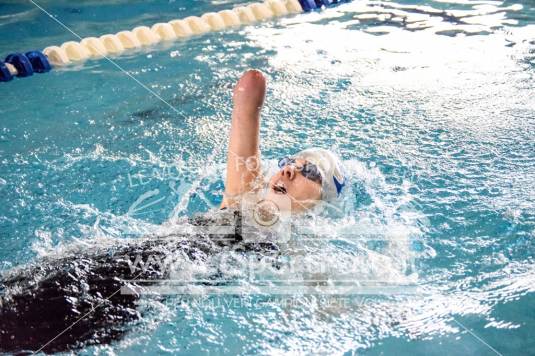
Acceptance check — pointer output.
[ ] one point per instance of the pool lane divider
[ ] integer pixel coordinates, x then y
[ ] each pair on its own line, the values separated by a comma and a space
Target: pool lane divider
25, 64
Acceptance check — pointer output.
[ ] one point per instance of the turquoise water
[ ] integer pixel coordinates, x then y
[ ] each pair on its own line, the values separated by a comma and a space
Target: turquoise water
434, 116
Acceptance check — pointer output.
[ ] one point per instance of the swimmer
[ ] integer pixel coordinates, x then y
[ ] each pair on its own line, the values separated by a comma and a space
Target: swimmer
59, 305
306, 178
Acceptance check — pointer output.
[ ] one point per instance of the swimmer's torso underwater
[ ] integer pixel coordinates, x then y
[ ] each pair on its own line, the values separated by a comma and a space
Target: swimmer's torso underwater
65, 303
62, 304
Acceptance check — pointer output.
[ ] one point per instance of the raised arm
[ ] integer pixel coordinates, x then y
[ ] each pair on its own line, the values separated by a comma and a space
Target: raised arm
243, 159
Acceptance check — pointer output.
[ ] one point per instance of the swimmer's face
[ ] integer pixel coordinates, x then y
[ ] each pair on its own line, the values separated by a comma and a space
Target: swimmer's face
290, 183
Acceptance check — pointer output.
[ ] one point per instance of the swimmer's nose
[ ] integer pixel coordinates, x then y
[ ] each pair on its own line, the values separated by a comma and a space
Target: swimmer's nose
288, 172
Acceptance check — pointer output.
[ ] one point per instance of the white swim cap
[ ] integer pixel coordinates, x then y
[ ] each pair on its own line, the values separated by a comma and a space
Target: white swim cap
333, 177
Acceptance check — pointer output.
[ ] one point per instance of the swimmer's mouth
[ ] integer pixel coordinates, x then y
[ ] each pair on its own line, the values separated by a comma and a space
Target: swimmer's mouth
279, 188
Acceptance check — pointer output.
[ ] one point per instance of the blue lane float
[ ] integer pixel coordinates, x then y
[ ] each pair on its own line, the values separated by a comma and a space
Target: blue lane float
39, 61
308, 5
21, 63
24, 65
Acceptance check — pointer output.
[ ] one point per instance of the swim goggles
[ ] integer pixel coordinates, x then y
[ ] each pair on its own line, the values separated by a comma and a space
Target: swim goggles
308, 170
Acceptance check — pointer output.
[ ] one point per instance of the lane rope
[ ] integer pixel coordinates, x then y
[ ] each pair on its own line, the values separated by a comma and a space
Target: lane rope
70, 52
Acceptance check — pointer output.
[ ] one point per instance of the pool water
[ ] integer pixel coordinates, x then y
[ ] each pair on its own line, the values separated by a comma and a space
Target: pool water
430, 104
